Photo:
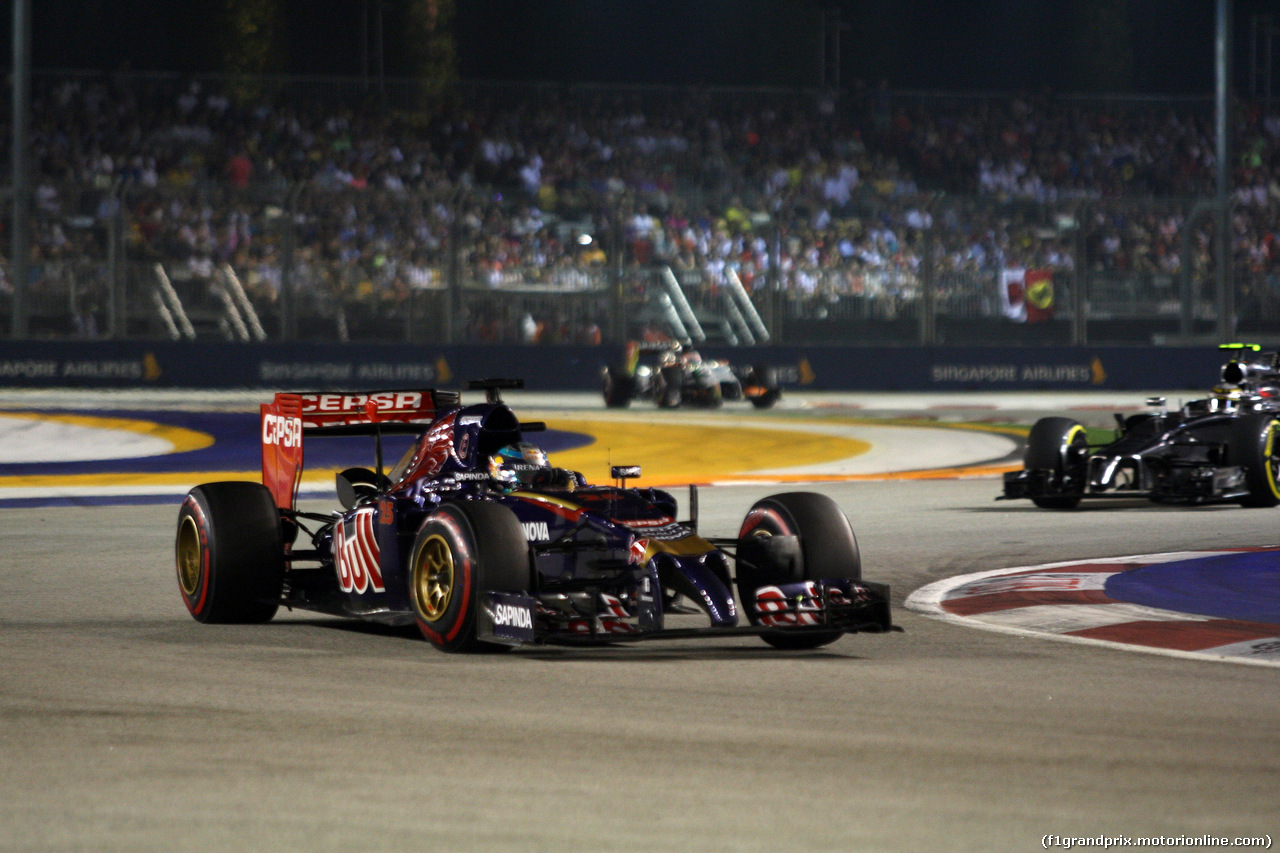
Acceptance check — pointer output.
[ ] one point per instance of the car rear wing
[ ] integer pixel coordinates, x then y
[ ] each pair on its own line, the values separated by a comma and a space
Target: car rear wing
634, 349
288, 418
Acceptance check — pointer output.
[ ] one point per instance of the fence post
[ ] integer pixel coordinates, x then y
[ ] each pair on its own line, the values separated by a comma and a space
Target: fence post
114, 227
1079, 281
288, 254
614, 266
777, 301
20, 256
928, 304
1222, 168
453, 284
1186, 295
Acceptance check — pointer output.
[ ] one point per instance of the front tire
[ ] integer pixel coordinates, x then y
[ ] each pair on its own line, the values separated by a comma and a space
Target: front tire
827, 549
461, 550
1254, 446
668, 390
707, 393
1056, 445
229, 553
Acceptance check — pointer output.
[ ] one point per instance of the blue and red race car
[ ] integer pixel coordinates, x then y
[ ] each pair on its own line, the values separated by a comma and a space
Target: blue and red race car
474, 537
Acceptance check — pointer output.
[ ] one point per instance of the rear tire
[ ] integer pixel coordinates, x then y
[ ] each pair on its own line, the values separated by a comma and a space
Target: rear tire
1056, 445
230, 553
766, 378
827, 549
618, 388
461, 550
1254, 446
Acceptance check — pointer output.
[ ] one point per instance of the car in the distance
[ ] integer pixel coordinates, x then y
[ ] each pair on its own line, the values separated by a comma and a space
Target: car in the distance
1221, 448
671, 374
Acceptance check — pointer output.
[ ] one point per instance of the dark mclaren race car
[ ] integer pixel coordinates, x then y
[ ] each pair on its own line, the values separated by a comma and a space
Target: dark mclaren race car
1222, 448
673, 375
477, 540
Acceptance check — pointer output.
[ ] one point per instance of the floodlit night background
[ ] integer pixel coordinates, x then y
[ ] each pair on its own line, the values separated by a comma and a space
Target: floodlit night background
879, 171
1147, 46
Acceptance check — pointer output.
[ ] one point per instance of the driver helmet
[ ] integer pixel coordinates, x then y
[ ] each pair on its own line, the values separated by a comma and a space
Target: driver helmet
518, 465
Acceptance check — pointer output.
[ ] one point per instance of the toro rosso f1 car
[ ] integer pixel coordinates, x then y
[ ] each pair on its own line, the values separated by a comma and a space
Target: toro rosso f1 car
474, 537
672, 375
1222, 448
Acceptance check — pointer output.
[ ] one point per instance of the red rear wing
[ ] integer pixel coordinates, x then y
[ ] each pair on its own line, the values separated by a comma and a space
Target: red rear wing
287, 418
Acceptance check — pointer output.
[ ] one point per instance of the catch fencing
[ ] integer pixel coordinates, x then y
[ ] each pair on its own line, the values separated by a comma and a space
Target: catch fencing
335, 264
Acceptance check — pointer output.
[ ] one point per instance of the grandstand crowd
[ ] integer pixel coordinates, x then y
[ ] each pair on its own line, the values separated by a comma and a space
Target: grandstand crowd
815, 196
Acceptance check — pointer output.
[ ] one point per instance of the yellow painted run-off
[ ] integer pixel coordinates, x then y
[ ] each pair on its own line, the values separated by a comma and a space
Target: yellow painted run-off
672, 451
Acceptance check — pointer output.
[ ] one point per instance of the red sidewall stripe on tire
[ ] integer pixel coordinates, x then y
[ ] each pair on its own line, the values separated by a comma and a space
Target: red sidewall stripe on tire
755, 517
431, 633
202, 528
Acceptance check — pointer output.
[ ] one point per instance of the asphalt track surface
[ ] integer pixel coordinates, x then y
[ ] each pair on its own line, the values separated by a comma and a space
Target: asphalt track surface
128, 726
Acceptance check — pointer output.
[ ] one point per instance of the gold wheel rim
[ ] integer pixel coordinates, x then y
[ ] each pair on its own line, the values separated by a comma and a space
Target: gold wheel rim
433, 578
189, 556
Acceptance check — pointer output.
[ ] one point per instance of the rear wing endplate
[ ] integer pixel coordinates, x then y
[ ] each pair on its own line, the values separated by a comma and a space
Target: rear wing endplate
291, 416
